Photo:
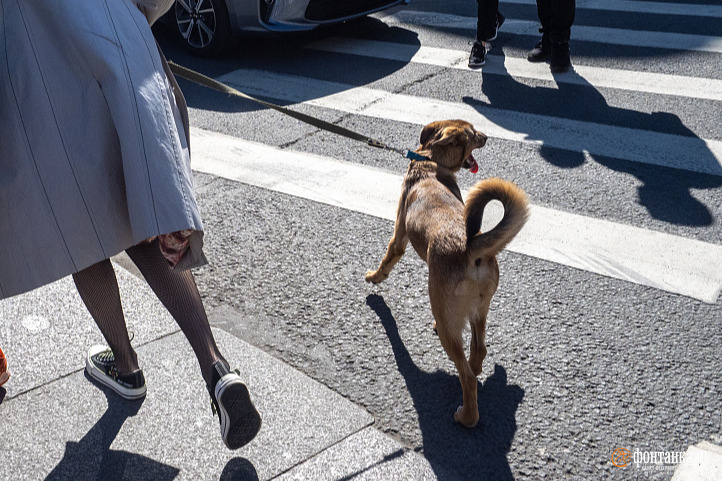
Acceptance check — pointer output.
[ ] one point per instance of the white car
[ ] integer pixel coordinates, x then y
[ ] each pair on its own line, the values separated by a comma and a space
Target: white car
205, 27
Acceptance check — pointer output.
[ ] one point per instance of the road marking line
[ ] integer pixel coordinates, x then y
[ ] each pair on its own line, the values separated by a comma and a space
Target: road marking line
655, 259
582, 33
656, 83
701, 462
667, 150
682, 9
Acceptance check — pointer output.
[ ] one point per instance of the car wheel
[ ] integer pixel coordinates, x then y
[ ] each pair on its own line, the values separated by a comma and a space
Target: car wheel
202, 26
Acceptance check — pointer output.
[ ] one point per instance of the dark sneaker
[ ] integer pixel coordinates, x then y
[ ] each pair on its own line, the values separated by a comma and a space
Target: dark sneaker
499, 22
240, 421
478, 55
560, 61
100, 365
541, 52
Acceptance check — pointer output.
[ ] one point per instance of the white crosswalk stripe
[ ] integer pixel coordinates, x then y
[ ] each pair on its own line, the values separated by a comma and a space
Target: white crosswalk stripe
661, 8
665, 84
603, 35
655, 259
651, 258
681, 152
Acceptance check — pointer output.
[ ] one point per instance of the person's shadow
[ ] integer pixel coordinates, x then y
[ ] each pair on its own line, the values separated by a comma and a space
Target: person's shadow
664, 191
92, 459
478, 453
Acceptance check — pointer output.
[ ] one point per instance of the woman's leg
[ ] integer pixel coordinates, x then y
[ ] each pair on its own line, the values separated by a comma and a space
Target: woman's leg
98, 288
178, 292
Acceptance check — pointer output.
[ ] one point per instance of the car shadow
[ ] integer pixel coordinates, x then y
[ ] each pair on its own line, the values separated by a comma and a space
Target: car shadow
325, 73
92, 459
664, 191
478, 453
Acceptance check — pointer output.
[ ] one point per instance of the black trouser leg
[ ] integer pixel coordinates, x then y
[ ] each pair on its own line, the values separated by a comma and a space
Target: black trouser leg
556, 18
486, 21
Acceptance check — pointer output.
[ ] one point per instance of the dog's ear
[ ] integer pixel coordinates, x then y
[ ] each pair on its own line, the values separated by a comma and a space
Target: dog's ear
432, 136
427, 133
445, 137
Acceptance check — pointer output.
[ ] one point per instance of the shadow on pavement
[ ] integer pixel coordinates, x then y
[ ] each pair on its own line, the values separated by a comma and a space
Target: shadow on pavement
326, 73
92, 459
478, 453
664, 191
239, 469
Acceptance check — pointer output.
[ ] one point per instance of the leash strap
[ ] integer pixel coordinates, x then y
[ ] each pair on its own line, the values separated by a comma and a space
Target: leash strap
205, 81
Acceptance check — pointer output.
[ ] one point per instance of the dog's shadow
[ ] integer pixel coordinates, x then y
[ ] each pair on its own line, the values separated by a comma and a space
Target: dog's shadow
478, 453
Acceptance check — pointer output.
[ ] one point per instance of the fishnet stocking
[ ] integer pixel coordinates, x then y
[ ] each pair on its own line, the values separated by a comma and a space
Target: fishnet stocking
177, 290
98, 288
179, 294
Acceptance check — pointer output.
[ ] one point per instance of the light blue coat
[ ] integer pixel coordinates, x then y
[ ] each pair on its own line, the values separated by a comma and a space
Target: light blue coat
94, 149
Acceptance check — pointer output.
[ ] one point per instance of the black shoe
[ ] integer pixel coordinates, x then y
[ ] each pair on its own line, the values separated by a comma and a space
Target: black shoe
478, 55
240, 421
560, 61
542, 51
499, 22
100, 365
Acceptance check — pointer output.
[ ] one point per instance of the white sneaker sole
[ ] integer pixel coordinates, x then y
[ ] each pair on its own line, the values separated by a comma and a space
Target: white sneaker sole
108, 382
240, 421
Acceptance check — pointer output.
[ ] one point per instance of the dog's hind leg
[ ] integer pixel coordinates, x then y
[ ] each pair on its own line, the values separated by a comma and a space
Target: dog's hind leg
450, 322
468, 413
477, 352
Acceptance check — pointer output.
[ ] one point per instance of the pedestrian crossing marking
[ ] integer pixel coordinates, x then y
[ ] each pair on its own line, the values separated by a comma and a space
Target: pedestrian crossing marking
667, 150
631, 6
655, 259
649, 82
582, 33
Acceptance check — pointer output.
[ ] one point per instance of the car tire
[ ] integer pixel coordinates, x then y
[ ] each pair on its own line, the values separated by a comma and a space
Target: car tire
202, 26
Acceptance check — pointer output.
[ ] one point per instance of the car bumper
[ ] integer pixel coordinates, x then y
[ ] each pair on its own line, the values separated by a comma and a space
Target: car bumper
247, 16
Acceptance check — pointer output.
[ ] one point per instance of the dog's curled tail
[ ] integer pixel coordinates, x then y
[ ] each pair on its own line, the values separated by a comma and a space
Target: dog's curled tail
516, 212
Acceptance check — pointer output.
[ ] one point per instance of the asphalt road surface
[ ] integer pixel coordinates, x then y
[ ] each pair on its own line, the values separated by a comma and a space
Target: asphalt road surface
586, 353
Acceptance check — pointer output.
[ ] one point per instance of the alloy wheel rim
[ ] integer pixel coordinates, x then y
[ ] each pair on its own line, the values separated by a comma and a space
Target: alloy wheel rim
196, 21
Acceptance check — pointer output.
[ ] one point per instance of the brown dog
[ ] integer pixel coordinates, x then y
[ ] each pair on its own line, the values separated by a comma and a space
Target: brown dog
463, 271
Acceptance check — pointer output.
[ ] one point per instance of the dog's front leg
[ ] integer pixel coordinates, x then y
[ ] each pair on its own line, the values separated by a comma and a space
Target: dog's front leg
396, 249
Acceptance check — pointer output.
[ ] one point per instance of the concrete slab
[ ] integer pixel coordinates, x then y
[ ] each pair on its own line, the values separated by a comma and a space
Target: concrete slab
46, 333
72, 429
702, 462
367, 455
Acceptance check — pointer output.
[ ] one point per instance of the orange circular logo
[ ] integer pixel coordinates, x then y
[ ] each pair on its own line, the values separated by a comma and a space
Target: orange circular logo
621, 457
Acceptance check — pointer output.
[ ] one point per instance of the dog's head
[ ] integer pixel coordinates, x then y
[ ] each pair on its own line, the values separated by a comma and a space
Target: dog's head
450, 143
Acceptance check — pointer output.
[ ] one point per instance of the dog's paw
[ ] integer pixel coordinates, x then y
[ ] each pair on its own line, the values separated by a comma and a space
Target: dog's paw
466, 419
375, 276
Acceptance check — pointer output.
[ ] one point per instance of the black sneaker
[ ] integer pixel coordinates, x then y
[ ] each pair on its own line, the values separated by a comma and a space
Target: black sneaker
478, 55
542, 51
240, 421
560, 61
499, 22
100, 365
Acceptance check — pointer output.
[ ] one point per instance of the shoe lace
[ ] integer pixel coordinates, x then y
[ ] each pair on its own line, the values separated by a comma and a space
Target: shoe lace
106, 356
